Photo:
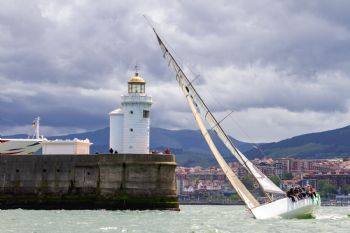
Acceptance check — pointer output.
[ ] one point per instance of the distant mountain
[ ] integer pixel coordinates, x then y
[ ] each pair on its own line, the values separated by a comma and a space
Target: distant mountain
98, 138
188, 145
16, 136
189, 140
327, 144
191, 149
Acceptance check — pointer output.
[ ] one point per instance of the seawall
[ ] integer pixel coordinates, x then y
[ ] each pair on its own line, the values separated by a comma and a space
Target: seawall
122, 181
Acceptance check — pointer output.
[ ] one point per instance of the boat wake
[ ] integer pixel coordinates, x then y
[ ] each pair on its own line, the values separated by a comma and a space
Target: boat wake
331, 216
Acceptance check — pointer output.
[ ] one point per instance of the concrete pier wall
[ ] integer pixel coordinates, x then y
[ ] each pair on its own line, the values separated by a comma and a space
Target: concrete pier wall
122, 181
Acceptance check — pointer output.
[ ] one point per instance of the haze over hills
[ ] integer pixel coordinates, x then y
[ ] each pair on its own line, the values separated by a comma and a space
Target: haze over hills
191, 149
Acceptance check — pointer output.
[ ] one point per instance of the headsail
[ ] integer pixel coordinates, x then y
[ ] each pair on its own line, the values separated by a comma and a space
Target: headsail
266, 184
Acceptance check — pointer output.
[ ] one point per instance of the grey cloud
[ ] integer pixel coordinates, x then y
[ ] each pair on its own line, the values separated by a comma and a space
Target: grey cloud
69, 61
270, 32
263, 87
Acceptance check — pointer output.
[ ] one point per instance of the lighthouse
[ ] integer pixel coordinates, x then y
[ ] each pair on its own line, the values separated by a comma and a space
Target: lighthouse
130, 124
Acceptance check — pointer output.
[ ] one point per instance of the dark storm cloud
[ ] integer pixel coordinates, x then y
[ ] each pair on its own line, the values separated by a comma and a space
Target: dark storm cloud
68, 61
286, 34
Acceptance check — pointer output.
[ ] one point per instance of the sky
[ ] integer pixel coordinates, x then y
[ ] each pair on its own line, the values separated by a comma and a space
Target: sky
282, 67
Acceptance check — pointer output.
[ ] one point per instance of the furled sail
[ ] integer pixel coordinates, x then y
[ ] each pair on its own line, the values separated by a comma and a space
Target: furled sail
266, 184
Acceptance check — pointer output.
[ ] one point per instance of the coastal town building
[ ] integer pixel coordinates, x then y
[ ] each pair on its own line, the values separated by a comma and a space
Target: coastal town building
196, 184
342, 200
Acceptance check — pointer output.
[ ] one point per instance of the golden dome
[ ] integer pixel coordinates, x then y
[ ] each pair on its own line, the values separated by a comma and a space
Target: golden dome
136, 79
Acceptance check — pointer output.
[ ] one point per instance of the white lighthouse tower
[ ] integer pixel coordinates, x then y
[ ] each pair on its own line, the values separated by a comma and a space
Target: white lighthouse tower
130, 125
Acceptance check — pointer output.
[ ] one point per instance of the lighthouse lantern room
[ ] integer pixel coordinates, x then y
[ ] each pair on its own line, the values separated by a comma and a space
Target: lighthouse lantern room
130, 124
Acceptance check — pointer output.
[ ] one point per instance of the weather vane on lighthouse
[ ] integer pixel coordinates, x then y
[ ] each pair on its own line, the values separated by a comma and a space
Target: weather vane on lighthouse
136, 69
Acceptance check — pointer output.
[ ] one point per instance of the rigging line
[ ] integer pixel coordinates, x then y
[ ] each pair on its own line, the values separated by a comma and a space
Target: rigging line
183, 74
209, 112
226, 136
178, 59
197, 77
183, 83
188, 82
232, 117
218, 123
216, 101
255, 145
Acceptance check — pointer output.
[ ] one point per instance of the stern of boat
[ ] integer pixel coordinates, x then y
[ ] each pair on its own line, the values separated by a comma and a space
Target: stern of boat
286, 208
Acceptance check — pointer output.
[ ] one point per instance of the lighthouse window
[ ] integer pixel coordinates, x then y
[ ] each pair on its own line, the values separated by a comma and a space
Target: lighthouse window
133, 88
145, 114
131, 129
131, 112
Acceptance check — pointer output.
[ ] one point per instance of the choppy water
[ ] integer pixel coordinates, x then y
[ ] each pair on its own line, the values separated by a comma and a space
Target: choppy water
189, 219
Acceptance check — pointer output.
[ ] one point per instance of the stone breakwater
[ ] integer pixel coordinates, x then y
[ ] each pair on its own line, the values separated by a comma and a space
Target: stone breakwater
122, 181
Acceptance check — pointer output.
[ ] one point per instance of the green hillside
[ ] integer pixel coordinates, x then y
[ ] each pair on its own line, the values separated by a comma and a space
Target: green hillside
327, 144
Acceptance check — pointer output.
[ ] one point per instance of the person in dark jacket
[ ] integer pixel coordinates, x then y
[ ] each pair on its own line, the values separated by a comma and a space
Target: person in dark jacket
290, 194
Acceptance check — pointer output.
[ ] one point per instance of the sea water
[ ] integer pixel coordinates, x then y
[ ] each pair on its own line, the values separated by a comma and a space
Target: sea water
189, 219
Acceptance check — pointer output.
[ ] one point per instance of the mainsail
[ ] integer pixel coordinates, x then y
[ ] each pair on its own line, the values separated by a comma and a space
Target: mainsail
242, 191
265, 183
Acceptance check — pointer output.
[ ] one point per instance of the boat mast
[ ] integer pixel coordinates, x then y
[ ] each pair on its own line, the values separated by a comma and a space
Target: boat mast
266, 184
242, 191
36, 124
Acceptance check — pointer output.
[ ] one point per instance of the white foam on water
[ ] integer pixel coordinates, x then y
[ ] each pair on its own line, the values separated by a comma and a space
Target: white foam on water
219, 219
330, 216
82, 223
108, 228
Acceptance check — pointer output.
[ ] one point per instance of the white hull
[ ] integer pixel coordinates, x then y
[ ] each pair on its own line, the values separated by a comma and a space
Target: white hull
286, 208
19, 146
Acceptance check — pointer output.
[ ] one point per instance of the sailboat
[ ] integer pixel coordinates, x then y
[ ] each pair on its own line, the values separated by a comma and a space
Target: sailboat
278, 204
17, 146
